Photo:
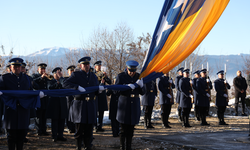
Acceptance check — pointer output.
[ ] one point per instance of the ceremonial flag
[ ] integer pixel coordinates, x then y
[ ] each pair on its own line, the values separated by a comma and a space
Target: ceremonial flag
181, 27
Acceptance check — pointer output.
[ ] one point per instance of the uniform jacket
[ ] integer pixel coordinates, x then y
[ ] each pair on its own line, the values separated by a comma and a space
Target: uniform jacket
178, 94
195, 90
239, 85
164, 86
41, 84
82, 110
202, 89
185, 88
113, 104
148, 99
102, 98
128, 111
57, 106
19, 118
219, 86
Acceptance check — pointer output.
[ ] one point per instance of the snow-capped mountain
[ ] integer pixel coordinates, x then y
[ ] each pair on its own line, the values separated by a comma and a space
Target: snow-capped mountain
52, 51
216, 62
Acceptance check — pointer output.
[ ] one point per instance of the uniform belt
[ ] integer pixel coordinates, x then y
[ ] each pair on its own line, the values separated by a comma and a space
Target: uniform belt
167, 87
151, 91
131, 95
85, 98
206, 90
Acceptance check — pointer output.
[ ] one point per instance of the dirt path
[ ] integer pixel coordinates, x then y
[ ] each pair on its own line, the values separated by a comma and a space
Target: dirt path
105, 140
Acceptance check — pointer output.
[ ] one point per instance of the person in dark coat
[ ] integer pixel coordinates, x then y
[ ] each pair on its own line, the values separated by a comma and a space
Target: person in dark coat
113, 111
186, 96
203, 85
16, 121
240, 86
41, 79
35, 86
71, 125
128, 111
57, 107
101, 98
148, 101
221, 86
165, 86
195, 93
178, 94
83, 109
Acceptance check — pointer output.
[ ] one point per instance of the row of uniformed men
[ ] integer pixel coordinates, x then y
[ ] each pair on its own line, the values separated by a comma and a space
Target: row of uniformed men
83, 108
195, 91
51, 107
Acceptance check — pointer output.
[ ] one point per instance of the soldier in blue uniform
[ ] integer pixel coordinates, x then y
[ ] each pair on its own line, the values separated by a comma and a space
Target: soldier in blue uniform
178, 94
128, 111
41, 79
148, 101
101, 98
57, 106
71, 125
203, 85
83, 109
113, 111
16, 121
221, 86
165, 86
195, 92
186, 96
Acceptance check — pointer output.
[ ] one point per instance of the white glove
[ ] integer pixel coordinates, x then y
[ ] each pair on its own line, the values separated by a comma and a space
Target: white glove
170, 81
225, 95
169, 96
191, 96
191, 82
41, 94
132, 86
1, 93
208, 95
81, 89
140, 82
208, 80
101, 88
225, 81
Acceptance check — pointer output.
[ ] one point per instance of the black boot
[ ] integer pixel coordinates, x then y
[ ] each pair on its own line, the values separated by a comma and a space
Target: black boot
87, 144
78, 143
19, 145
149, 121
128, 143
122, 142
183, 120
180, 117
145, 122
187, 121
11, 145
222, 119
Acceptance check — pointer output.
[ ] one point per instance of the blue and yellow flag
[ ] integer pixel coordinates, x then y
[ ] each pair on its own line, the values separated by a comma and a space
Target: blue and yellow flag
181, 27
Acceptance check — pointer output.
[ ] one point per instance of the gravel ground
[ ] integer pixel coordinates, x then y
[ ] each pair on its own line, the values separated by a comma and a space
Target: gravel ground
141, 141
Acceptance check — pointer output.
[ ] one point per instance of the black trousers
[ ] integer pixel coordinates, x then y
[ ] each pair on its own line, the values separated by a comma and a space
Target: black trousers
15, 138
57, 127
197, 111
71, 126
83, 130
148, 110
41, 120
127, 130
242, 98
115, 127
165, 112
221, 109
100, 118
